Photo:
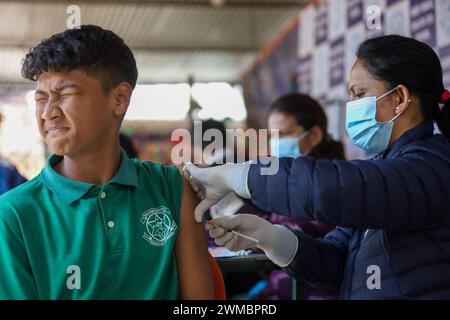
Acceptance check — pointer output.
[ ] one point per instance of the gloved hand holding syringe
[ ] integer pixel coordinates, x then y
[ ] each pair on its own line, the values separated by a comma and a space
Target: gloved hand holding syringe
213, 225
277, 242
241, 231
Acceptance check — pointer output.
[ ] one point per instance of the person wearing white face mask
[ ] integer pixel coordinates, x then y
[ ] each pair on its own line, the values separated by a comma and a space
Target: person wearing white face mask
302, 131
363, 128
402, 195
287, 146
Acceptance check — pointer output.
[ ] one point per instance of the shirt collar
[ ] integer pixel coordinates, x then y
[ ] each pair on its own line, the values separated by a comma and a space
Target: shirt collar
126, 175
69, 190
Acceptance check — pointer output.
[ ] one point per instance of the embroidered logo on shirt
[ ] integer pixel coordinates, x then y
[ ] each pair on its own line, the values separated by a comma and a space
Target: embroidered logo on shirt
159, 225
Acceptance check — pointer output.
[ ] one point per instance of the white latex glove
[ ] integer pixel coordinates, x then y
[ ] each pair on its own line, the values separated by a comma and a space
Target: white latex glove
228, 206
278, 242
214, 183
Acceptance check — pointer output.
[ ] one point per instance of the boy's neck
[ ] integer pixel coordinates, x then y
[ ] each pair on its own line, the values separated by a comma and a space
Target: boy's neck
95, 168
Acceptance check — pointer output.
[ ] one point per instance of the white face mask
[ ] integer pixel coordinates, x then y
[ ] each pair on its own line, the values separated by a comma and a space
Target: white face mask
363, 128
287, 146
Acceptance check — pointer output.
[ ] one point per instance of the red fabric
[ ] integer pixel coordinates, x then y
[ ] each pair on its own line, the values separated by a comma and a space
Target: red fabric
445, 96
219, 284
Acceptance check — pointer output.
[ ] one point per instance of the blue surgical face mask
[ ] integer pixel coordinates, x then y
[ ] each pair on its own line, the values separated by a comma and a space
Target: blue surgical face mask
287, 146
363, 128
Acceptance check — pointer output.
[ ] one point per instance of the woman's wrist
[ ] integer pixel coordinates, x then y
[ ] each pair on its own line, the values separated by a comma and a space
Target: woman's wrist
282, 247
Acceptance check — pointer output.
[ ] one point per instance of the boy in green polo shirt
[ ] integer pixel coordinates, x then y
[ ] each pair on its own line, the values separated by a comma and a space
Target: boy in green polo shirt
94, 224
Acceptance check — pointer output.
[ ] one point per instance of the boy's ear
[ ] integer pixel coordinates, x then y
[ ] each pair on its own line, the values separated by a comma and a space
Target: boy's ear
122, 96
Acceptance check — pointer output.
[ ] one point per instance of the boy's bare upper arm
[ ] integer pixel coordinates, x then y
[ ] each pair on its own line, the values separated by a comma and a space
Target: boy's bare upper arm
191, 250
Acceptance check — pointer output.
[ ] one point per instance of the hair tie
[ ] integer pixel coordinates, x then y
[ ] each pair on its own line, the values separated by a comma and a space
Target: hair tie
445, 96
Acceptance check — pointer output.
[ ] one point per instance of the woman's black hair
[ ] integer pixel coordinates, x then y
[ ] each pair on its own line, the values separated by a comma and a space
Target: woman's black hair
309, 113
398, 60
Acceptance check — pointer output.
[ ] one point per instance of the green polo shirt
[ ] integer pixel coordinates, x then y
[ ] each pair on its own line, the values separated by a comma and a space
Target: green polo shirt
65, 239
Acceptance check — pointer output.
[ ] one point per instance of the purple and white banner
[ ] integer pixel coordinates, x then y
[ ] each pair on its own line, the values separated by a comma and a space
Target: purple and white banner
355, 12
321, 23
304, 75
423, 21
329, 34
444, 54
337, 62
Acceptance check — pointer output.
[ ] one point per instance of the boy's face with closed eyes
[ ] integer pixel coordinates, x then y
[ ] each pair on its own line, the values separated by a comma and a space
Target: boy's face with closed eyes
75, 115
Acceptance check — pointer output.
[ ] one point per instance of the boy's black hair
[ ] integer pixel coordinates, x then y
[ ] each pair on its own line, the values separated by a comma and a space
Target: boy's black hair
98, 52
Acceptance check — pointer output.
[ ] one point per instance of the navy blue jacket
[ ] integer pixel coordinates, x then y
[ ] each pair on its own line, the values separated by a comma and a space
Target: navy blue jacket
401, 196
9, 177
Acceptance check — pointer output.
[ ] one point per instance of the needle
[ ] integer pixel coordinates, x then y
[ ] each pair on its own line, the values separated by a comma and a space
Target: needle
246, 237
211, 223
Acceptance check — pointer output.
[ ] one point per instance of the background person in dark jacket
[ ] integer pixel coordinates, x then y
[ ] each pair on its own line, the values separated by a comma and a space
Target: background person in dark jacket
303, 131
393, 210
9, 176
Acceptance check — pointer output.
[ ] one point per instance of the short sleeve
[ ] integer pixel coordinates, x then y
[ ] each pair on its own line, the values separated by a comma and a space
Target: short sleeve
171, 185
16, 279
174, 182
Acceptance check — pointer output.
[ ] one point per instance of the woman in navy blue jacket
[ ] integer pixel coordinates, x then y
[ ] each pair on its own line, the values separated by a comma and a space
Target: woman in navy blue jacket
393, 210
